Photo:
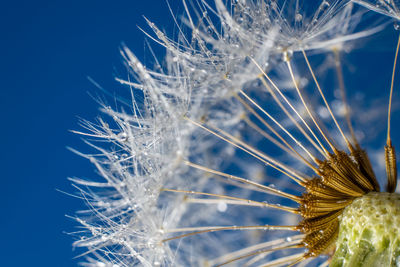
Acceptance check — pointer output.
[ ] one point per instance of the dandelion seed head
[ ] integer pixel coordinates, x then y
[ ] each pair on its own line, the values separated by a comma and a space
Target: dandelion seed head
187, 154
386, 7
294, 25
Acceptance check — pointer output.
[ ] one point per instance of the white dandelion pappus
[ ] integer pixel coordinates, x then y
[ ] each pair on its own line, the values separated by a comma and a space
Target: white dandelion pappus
173, 162
145, 153
386, 7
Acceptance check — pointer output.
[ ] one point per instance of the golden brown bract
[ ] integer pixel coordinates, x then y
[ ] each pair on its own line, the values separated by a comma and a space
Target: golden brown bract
342, 179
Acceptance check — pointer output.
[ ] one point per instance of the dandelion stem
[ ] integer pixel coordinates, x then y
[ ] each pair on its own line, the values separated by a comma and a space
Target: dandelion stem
293, 120
211, 229
283, 128
277, 166
246, 181
267, 136
390, 154
266, 124
291, 106
326, 104
249, 249
243, 200
258, 152
307, 108
339, 73
283, 260
388, 142
296, 245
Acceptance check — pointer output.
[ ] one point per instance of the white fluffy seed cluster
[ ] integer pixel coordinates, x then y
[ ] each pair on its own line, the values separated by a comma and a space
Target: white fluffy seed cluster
369, 231
142, 145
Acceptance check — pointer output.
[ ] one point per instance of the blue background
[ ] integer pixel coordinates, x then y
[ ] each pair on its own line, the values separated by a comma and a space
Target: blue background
47, 51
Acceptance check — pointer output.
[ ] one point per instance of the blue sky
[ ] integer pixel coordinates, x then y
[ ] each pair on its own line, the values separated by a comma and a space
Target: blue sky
47, 51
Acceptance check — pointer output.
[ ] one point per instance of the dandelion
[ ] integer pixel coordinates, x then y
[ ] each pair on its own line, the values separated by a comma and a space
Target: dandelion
386, 7
230, 152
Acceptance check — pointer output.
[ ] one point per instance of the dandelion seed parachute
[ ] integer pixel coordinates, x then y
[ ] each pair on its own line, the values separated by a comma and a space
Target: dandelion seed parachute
386, 7
186, 176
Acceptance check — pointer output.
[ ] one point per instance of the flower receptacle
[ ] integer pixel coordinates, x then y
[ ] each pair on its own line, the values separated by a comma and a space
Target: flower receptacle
369, 233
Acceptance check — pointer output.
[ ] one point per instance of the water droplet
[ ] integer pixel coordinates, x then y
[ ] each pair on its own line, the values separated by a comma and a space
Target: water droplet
298, 17
396, 26
287, 55
327, 3
222, 207
123, 136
